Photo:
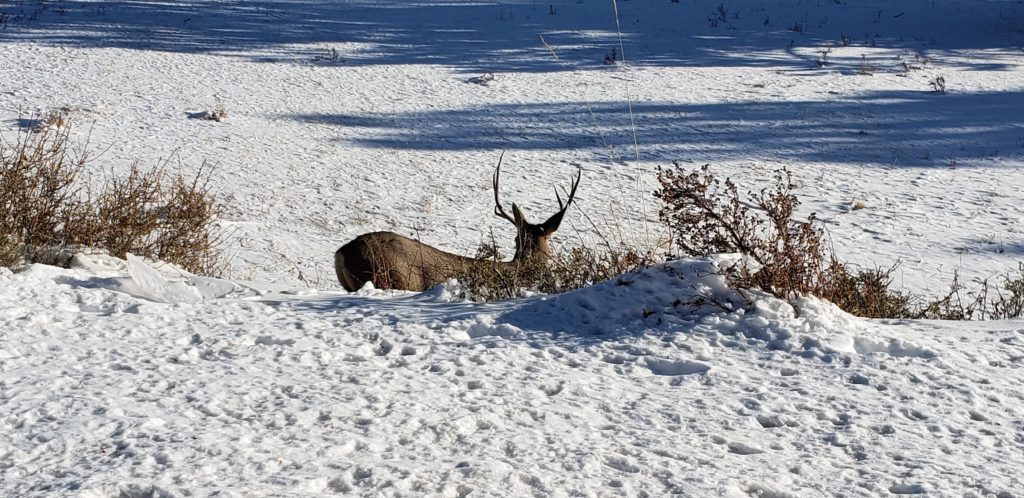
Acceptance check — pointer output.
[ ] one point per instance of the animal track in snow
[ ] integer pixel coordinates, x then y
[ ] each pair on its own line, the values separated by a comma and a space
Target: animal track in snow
269, 340
763, 491
895, 347
552, 390
744, 449
770, 421
660, 366
859, 379
621, 463
914, 415
907, 489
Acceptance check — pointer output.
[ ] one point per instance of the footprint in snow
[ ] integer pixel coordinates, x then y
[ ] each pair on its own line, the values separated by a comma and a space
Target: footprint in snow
859, 379
360, 474
907, 489
914, 415
977, 416
769, 421
552, 390
744, 449
660, 366
621, 464
140, 491
268, 340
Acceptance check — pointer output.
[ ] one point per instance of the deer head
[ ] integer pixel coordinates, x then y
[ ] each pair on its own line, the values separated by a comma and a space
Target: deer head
532, 239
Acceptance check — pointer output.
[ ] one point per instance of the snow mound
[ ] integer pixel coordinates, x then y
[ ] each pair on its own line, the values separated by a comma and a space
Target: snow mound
157, 282
693, 297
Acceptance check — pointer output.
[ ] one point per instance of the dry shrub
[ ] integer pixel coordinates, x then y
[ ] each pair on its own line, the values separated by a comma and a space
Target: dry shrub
38, 190
151, 213
784, 256
986, 301
189, 235
489, 278
868, 292
1009, 300
708, 216
580, 267
787, 258
959, 303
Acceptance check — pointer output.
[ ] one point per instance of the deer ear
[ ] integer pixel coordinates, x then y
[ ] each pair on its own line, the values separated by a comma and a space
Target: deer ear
549, 227
520, 218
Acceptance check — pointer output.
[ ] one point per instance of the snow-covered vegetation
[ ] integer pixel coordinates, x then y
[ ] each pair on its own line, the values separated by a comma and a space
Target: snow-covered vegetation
900, 123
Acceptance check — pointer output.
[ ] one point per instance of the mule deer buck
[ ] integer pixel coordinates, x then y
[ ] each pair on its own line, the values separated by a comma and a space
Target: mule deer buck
393, 261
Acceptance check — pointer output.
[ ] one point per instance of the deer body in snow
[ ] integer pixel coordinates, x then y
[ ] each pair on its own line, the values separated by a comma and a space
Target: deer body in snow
393, 261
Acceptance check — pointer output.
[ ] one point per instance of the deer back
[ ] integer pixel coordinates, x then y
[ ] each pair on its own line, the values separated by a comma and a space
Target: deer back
393, 261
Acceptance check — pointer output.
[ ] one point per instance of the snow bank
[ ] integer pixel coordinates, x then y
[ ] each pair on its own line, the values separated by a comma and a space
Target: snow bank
693, 297
617, 389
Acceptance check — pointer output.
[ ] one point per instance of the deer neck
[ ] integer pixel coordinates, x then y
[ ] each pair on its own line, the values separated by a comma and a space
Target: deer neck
531, 248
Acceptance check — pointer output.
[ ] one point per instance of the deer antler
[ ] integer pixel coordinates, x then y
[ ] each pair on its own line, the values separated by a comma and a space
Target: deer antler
556, 219
498, 210
572, 193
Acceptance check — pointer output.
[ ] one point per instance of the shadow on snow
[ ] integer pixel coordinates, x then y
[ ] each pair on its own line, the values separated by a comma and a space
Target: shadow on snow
913, 129
503, 35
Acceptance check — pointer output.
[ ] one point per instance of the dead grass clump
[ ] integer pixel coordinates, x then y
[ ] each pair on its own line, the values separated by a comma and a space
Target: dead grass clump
868, 293
154, 213
1009, 300
985, 301
489, 278
57, 118
866, 68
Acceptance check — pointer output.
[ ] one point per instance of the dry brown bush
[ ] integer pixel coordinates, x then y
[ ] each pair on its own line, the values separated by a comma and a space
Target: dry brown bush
787, 256
868, 292
985, 301
38, 190
1009, 300
44, 203
708, 216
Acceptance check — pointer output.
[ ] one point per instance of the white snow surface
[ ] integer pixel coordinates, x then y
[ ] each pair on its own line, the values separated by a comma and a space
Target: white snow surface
129, 378
623, 388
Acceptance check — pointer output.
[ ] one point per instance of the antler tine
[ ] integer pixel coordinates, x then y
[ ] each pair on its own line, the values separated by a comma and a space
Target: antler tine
498, 210
555, 220
572, 193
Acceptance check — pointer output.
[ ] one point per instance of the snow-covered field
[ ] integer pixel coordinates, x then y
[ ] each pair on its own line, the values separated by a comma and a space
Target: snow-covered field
351, 116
